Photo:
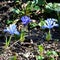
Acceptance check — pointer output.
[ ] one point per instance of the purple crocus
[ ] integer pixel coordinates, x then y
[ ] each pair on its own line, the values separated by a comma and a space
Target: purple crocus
25, 20
12, 29
50, 23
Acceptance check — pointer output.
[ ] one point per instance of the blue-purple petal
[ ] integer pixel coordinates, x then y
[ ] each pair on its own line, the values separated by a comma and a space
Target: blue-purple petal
12, 29
50, 23
25, 20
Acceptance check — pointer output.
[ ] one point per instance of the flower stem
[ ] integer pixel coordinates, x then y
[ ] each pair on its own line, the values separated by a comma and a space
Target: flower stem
8, 41
48, 35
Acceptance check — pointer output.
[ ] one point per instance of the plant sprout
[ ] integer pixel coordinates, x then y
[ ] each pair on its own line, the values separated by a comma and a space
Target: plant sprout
49, 23
41, 49
12, 30
51, 55
39, 57
22, 36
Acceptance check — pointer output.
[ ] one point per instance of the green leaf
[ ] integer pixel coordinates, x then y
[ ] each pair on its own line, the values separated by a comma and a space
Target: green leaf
35, 1
40, 57
15, 10
36, 8
41, 2
32, 25
28, 7
53, 6
22, 36
40, 48
48, 36
54, 53
15, 21
6, 43
51, 58
13, 58
9, 21
41, 23
49, 53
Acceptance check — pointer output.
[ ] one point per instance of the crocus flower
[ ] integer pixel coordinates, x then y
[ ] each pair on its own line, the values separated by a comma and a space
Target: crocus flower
50, 23
25, 20
12, 29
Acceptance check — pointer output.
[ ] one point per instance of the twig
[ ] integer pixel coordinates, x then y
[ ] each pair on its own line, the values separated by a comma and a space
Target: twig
13, 44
